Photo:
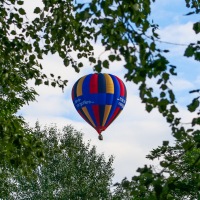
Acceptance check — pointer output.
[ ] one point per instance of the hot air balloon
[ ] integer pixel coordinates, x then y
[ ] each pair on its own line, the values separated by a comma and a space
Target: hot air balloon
99, 99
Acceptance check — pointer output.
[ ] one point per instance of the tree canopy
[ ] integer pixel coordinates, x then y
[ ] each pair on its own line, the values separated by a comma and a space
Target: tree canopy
73, 170
123, 28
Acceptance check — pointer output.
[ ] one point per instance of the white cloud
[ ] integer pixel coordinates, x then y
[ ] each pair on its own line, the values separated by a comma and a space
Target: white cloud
181, 84
177, 38
179, 33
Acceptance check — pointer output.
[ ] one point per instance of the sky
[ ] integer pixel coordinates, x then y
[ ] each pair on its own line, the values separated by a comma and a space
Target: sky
135, 132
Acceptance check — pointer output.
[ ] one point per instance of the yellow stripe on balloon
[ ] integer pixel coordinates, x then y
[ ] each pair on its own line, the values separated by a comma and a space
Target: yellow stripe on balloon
109, 84
79, 90
88, 115
106, 113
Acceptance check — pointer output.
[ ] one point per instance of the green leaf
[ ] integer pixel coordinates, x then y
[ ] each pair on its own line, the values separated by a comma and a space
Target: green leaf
112, 58
47, 41
174, 109
106, 64
98, 67
171, 96
159, 81
46, 82
165, 77
197, 56
22, 11
149, 108
189, 52
197, 138
66, 62
37, 10
194, 105
163, 87
162, 94
153, 46
13, 32
186, 145
32, 57
53, 84
163, 164
92, 59
80, 64
196, 27
42, 16
38, 81
76, 68
39, 56
79, 55
165, 143
20, 2
196, 121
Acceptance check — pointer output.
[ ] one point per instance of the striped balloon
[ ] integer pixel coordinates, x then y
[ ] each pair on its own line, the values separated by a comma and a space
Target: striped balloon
99, 99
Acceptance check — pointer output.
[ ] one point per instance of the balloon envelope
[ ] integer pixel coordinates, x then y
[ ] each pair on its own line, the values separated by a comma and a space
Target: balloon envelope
99, 99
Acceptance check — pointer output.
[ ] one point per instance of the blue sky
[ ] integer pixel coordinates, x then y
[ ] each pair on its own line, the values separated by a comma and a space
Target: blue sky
176, 27
135, 132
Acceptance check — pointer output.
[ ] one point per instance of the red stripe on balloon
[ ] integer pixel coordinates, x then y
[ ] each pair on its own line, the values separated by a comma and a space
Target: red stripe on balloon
95, 109
94, 84
122, 89
72, 94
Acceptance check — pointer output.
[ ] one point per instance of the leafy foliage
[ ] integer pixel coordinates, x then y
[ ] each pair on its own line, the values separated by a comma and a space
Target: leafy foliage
177, 178
125, 31
193, 50
73, 170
